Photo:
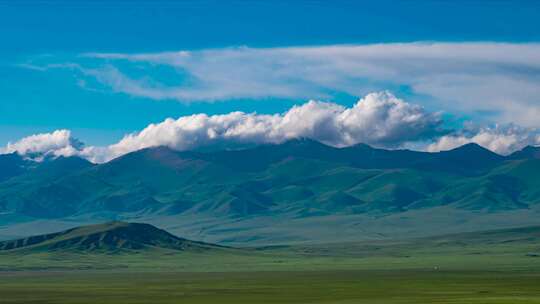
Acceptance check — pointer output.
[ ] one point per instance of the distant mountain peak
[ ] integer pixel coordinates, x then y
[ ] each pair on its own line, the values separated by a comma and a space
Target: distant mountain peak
301, 141
526, 153
474, 149
70, 160
470, 147
159, 151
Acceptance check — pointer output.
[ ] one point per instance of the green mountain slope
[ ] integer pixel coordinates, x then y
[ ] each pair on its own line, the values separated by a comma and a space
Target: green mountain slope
36, 193
267, 179
512, 185
469, 159
526, 153
12, 165
230, 195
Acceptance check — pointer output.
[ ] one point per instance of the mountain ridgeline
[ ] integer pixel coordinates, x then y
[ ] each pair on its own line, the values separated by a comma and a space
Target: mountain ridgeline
298, 179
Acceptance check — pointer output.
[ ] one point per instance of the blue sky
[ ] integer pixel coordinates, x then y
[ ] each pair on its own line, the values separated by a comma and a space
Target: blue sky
73, 64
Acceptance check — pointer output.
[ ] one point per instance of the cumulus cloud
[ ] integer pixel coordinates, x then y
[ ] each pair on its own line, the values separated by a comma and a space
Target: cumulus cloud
40, 146
500, 78
500, 139
379, 119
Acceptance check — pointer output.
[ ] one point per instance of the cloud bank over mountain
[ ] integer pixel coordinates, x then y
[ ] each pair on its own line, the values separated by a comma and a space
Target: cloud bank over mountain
39, 146
500, 139
379, 119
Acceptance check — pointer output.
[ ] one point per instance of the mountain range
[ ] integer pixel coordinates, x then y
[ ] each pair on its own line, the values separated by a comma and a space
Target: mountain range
294, 192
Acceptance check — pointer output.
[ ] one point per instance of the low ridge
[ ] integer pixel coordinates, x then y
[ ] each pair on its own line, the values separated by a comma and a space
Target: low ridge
108, 237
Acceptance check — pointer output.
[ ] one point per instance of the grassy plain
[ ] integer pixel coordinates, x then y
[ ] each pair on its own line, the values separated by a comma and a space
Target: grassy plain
344, 286
494, 267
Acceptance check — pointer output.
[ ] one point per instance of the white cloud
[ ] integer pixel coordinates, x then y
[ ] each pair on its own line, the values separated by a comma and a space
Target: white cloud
500, 78
378, 119
500, 139
39, 146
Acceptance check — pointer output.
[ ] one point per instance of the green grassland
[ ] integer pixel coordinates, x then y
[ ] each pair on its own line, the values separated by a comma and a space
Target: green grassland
346, 286
482, 267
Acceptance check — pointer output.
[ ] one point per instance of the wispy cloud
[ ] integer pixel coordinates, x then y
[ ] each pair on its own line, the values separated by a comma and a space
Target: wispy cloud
499, 78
